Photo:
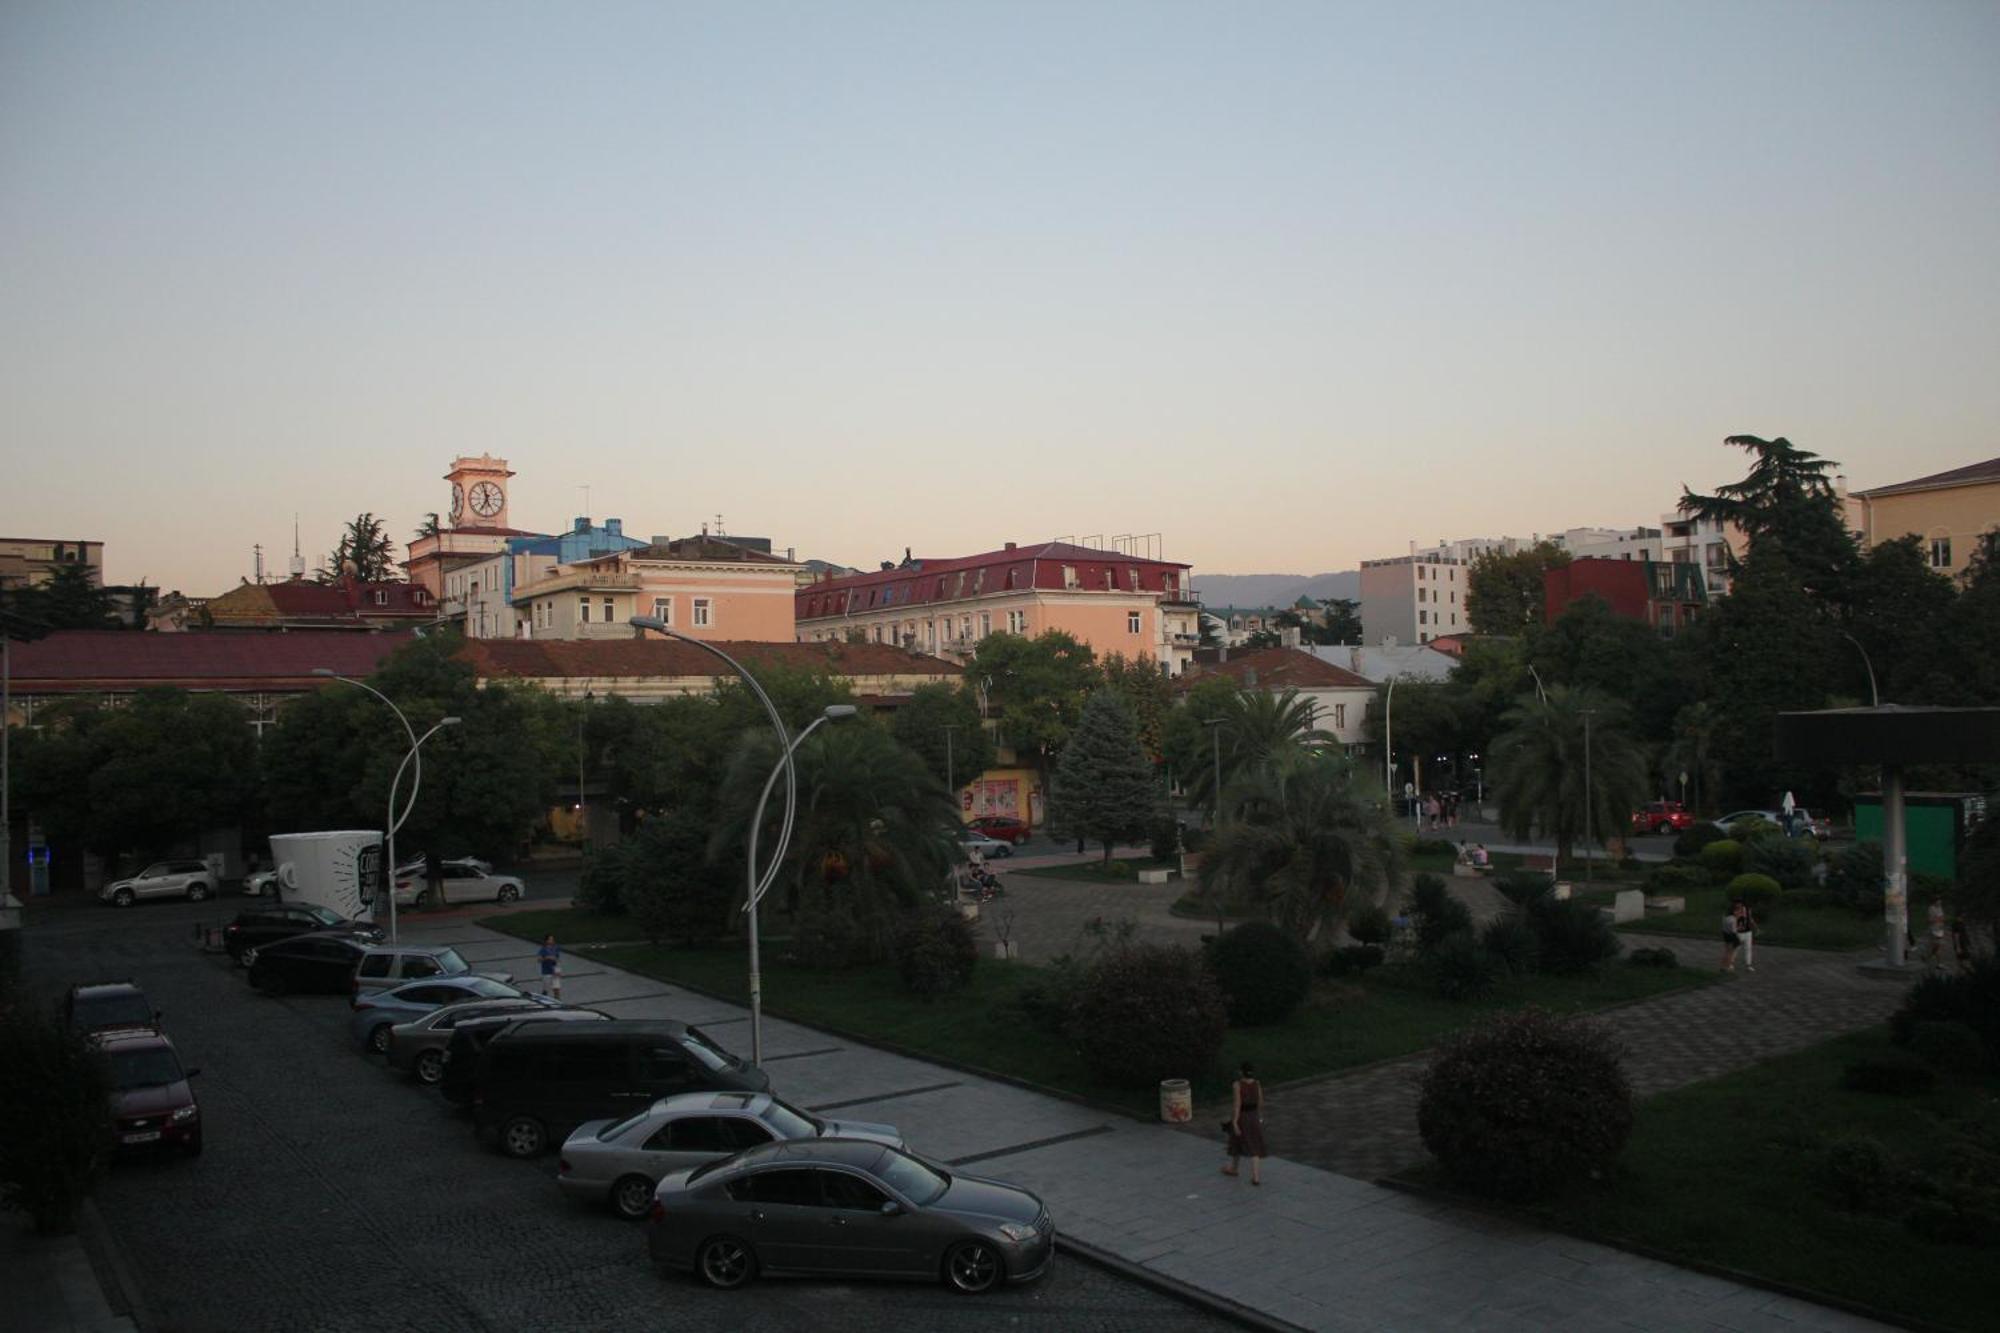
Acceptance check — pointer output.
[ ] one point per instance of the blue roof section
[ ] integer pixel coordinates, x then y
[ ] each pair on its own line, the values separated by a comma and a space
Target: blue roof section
584, 541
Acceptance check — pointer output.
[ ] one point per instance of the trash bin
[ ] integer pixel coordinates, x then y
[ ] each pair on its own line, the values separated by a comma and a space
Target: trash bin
1176, 1104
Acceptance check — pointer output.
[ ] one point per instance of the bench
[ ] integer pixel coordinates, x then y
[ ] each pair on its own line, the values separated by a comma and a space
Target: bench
1155, 875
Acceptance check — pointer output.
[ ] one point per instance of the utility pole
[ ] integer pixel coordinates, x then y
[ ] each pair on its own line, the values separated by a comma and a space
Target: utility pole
950, 769
1215, 738
1589, 802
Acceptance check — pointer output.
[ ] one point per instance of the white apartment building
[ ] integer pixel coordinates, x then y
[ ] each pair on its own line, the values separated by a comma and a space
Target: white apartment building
1705, 542
1412, 598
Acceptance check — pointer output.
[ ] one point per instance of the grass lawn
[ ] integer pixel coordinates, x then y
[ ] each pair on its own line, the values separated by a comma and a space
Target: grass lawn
1836, 928
1728, 1172
1090, 871
1345, 1023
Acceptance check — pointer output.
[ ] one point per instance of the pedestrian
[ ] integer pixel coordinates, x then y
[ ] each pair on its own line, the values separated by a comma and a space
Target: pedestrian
1746, 933
1934, 940
550, 957
1246, 1125
1729, 940
1431, 811
1961, 943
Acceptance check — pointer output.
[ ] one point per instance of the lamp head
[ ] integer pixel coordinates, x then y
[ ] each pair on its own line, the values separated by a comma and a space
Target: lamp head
840, 712
323, 671
648, 622
450, 721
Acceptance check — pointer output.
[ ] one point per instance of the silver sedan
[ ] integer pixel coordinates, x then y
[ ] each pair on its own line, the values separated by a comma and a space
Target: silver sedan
418, 1046
620, 1161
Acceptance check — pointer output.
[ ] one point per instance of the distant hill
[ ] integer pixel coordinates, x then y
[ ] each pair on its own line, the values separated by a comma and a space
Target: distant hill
1250, 591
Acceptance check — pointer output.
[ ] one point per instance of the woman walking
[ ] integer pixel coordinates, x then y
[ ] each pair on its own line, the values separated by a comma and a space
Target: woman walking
1729, 940
1746, 933
1246, 1125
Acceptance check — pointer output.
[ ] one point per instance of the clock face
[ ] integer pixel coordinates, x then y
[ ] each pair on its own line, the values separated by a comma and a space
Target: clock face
457, 501
486, 499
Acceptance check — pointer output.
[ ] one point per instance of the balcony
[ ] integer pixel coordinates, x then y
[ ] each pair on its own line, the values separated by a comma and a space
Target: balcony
577, 581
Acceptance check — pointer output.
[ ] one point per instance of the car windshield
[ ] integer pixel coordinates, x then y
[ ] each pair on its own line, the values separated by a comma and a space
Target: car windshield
791, 1122
103, 1011
702, 1048
150, 1068
919, 1182
450, 963
489, 988
326, 916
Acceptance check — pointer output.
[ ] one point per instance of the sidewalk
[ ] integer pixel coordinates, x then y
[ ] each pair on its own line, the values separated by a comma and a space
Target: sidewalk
51, 1286
1311, 1248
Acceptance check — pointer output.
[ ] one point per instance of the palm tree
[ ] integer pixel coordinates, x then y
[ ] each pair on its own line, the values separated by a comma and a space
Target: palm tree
1312, 840
1258, 730
1693, 752
1538, 765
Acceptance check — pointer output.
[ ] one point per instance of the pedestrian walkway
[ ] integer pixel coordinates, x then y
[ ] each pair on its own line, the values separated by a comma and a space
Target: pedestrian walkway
51, 1286
1311, 1248
1365, 1123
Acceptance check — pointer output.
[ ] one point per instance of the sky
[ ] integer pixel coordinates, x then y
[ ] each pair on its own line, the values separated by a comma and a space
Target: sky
1288, 285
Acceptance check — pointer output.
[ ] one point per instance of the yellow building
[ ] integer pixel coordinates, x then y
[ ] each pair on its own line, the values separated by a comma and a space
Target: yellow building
1950, 511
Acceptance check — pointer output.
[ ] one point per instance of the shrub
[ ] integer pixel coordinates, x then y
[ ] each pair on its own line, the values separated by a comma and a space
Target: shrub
1434, 847
1438, 913
1678, 878
1953, 1048
599, 889
1855, 874
1749, 830
669, 887
1571, 936
1523, 1102
1460, 969
1894, 1073
1522, 887
55, 1117
1354, 960
1263, 971
1857, 1171
1724, 857
830, 938
1166, 838
1971, 998
1370, 925
1760, 893
1789, 862
1117, 869
935, 951
1146, 1012
1512, 944
1811, 898
1658, 957
1046, 999
1948, 1222
1194, 839
1695, 837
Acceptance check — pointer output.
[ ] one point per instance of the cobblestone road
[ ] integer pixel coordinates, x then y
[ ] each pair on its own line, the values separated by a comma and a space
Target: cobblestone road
334, 1196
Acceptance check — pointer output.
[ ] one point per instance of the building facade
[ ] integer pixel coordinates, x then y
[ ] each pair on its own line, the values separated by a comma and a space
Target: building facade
30, 561
1412, 598
1136, 607
482, 593
1951, 512
1665, 595
475, 530
707, 587
1706, 543
648, 670
1341, 699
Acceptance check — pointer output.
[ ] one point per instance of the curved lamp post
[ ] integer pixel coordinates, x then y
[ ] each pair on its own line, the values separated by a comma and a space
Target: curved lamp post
786, 745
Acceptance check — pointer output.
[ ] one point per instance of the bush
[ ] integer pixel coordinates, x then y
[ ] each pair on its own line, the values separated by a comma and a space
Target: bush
1855, 874
1166, 835
1571, 936
1678, 878
600, 888
1750, 830
1146, 1012
1760, 893
1370, 925
55, 1117
935, 951
1460, 969
1894, 1073
1354, 960
1857, 1171
1434, 847
1816, 899
1953, 1048
1723, 858
1525, 1102
1512, 944
1971, 998
1522, 887
830, 938
1652, 958
1694, 837
1438, 913
1117, 869
1789, 862
1264, 973
668, 884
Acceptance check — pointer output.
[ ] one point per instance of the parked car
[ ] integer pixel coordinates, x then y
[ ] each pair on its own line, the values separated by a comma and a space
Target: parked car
458, 882
258, 926
848, 1207
1004, 827
1802, 822
387, 966
1661, 817
151, 1102
110, 1006
621, 1161
318, 963
379, 1011
457, 1079
415, 865
189, 879
969, 842
260, 882
418, 1046
536, 1082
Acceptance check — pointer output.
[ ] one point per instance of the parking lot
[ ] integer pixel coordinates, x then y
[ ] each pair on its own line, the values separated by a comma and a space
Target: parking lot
334, 1195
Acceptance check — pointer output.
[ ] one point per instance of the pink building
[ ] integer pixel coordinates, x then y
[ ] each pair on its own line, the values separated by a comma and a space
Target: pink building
704, 586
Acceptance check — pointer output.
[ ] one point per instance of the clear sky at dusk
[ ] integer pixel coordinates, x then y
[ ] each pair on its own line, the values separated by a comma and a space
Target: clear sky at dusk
1291, 284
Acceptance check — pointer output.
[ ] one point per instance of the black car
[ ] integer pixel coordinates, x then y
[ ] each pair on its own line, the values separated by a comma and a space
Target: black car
256, 927
318, 962
538, 1081
469, 1038
110, 1006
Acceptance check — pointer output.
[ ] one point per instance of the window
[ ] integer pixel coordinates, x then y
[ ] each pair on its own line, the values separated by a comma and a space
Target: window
701, 611
663, 610
1423, 617
1667, 622
1069, 576
1017, 622
419, 966
590, 1062
738, 1134
1940, 553
1339, 716
583, 610
1717, 557
695, 1133
1420, 594
1420, 572
799, 1188
608, 617
375, 965
1454, 597
985, 623
1131, 622
381, 598
851, 1192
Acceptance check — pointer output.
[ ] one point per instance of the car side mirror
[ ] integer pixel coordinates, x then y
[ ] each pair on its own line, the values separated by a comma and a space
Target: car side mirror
193, 1073
892, 1209
159, 1014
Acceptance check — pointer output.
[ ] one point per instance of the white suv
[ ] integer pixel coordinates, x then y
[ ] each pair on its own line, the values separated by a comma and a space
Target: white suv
188, 879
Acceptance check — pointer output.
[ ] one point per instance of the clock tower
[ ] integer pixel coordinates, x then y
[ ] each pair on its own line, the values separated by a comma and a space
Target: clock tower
479, 492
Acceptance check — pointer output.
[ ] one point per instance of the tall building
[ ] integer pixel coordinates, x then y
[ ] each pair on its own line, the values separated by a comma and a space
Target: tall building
1705, 543
1950, 511
707, 587
31, 561
1412, 598
476, 527
1668, 596
482, 591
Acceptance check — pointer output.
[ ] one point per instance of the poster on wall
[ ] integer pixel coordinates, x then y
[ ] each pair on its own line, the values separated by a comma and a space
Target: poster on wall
999, 798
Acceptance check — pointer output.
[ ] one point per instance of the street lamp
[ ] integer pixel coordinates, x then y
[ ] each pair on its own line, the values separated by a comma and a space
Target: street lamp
950, 770
1589, 801
1215, 738
1389, 742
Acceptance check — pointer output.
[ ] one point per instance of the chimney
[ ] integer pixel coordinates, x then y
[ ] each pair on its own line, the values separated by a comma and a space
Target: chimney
581, 524
888, 564
661, 539
1008, 547
615, 526
791, 553
1288, 637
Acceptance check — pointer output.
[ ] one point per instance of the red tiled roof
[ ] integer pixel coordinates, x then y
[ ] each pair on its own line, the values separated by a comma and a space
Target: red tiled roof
916, 582
1971, 474
634, 658
1281, 669
694, 548
91, 660
300, 598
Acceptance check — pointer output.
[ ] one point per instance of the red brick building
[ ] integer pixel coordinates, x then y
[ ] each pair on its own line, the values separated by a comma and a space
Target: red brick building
1669, 597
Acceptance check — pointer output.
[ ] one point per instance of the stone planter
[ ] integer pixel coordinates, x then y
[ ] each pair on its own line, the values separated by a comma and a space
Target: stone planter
1154, 875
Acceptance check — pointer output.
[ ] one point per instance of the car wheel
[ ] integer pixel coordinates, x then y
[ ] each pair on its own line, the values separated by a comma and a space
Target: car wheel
508, 893
122, 898
197, 892
248, 957
632, 1197
972, 1266
1003, 850
378, 1039
430, 1067
725, 1262
523, 1136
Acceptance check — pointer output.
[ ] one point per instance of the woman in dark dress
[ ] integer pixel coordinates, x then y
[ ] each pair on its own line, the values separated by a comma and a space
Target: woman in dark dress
1246, 1125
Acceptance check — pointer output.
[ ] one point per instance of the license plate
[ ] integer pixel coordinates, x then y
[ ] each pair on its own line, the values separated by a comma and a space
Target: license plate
143, 1136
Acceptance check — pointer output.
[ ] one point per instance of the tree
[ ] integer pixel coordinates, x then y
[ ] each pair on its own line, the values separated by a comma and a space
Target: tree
1693, 752
1426, 719
55, 1115
1104, 787
1148, 693
1264, 638
956, 757
1972, 641
1787, 497
1503, 591
1037, 688
1311, 841
365, 546
70, 599
1185, 739
1591, 647
430, 527
1900, 611
1537, 768
669, 885
1343, 621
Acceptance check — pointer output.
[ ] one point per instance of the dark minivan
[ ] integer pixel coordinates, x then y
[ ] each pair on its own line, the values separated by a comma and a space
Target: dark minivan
320, 963
538, 1081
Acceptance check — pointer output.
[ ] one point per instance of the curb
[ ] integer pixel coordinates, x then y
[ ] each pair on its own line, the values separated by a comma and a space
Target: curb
1171, 1286
1776, 1286
114, 1272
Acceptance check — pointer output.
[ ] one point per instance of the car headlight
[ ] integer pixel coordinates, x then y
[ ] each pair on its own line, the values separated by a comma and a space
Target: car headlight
1017, 1231
185, 1114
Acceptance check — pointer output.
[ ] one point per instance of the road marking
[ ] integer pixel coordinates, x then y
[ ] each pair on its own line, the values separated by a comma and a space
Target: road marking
800, 1055
1030, 1145
883, 1096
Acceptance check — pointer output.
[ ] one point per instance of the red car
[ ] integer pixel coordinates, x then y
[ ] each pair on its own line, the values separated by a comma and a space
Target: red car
152, 1105
1004, 827
1661, 817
